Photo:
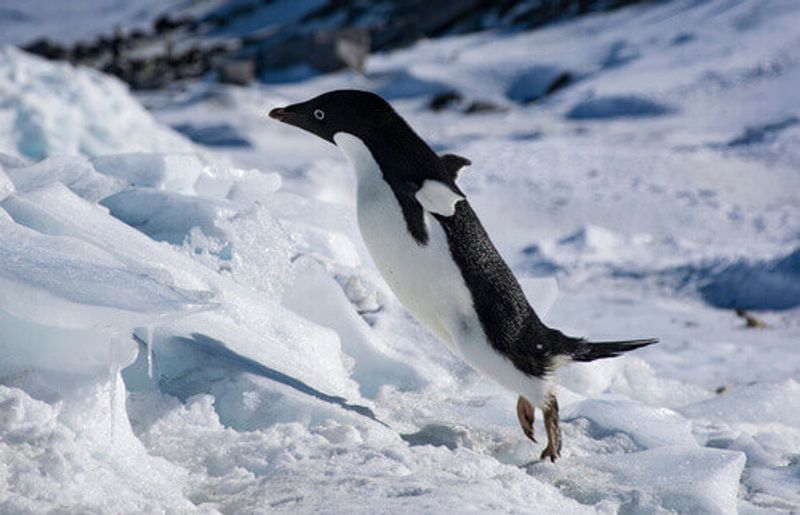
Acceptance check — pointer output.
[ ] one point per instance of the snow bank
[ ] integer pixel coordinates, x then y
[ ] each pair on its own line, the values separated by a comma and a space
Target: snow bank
267, 366
674, 478
648, 427
74, 455
174, 172
58, 109
6, 186
767, 402
77, 173
770, 284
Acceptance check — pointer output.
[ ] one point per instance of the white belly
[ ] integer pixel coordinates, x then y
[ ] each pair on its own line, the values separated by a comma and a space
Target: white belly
425, 278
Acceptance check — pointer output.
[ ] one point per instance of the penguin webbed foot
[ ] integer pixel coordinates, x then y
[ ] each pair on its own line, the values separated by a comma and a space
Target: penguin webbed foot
551, 426
525, 415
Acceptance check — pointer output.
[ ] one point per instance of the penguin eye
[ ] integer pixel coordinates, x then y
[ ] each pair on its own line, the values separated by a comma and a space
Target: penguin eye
319, 114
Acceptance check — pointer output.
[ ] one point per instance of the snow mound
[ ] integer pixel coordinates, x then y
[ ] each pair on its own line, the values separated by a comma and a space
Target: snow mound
764, 402
58, 109
674, 478
618, 106
6, 186
49, 458
772, 284
176, 172
538, 82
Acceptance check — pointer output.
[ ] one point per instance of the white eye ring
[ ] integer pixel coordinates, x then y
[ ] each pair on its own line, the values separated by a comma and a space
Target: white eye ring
319, 114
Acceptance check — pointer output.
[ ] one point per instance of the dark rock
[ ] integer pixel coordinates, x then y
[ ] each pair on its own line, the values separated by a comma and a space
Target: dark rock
164, 23
444, 100
483, 106
751, 322
561, 82
325, 50
45, 48
239, 72
332, 50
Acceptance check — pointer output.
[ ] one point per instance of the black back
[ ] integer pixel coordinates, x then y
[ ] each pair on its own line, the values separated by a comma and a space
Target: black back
509, 321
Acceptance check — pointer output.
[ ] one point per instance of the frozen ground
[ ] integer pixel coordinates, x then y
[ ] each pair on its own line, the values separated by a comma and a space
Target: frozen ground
199, 328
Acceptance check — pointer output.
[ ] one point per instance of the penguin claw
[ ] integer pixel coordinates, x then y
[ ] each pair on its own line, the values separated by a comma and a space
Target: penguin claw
548, 452
525, 415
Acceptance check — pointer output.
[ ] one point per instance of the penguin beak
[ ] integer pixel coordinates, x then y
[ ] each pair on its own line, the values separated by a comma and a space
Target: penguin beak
298, 115
280, 114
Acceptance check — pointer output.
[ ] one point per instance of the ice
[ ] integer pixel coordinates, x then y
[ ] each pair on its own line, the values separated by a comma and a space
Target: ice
56, 109
6, 186
167, 216
71, 284
670, 478
759, 403
77, 173
50, 458
174, 172
648, 427
320, 299
203, 329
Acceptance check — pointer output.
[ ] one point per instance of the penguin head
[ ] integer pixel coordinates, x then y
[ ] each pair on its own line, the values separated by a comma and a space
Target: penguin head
350, 111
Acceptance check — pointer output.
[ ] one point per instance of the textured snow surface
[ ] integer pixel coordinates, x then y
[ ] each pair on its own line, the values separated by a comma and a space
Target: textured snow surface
55, 109
201, 329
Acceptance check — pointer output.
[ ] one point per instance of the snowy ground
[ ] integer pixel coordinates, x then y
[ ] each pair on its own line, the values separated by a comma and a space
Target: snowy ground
200, 328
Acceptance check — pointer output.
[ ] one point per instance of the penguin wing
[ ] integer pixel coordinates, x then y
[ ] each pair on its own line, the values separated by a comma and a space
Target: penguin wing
438, 198
454, 163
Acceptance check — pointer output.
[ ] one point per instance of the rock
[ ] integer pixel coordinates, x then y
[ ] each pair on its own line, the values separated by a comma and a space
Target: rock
444, 100
483, 106
325, 50
332, 50
750, 321
47, 49
238, 72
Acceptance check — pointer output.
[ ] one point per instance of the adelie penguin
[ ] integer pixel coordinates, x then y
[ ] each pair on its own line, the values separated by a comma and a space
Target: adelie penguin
434, 253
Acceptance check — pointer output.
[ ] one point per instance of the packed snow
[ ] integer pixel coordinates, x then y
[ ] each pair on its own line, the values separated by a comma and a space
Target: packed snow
200, 328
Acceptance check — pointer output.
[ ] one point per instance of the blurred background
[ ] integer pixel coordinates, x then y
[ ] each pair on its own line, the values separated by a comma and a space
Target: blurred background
189, 319
150, 45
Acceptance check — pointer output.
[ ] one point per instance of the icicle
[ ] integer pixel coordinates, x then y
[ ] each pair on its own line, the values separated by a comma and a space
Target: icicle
149, 343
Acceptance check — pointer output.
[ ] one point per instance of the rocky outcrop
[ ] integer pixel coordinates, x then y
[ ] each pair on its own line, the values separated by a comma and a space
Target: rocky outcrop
338, 34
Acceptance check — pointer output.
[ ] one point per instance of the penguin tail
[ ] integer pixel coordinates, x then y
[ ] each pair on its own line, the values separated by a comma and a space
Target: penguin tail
589, 351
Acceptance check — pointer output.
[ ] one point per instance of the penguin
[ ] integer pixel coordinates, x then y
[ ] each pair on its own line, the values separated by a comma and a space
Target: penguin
435, 255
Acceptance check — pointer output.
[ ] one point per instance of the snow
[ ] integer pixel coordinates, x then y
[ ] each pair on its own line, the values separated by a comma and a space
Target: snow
67, 22
55, 109
201, 329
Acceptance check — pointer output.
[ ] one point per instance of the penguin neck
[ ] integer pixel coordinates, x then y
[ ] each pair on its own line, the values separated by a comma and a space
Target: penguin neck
360, 157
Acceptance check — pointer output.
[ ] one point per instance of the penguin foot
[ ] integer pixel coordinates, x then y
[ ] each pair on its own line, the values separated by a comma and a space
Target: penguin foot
525, 415
551, 425
551, 453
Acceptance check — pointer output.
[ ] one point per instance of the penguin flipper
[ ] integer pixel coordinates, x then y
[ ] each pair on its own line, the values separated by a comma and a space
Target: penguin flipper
454, 164
438, 198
